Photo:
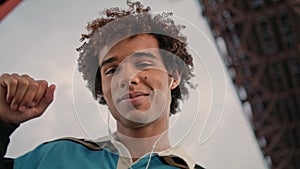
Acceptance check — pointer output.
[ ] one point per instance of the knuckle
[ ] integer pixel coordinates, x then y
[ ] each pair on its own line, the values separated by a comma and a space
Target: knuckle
15, 75
43, 83
13, 82
24, 82
34, 85
25, 76
4, 75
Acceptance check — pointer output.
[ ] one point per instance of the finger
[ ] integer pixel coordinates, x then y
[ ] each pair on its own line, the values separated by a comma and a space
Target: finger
42, 88
29, 95
40, 108
22, 86
9, 82
46, 100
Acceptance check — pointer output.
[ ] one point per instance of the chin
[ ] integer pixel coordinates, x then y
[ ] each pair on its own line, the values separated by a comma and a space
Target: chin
140, 116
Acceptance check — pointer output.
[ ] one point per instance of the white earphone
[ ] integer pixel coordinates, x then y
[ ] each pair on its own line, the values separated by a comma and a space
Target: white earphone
172, 80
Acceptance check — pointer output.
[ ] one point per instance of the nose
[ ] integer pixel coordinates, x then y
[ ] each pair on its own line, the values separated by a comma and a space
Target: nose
128, 82
128, 76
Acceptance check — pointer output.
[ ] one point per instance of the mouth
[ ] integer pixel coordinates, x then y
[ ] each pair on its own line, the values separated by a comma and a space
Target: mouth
135, 98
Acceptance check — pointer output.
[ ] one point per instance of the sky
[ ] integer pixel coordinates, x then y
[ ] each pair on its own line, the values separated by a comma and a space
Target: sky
39, 38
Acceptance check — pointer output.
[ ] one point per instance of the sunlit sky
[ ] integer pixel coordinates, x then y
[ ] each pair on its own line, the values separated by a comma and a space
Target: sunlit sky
40, 37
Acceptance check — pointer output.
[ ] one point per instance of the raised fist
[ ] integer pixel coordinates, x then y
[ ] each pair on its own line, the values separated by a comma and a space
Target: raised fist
23, 98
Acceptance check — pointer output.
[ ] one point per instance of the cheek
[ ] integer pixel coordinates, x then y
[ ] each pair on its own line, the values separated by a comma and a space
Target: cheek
106, 88
157, 82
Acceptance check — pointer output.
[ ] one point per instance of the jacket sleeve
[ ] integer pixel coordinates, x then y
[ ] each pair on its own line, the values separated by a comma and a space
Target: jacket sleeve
5, 131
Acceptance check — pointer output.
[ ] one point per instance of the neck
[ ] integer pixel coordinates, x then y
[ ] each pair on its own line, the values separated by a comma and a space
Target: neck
138, 147
141, 140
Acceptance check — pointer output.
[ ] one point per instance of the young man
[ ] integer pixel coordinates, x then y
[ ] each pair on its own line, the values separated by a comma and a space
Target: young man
134, 62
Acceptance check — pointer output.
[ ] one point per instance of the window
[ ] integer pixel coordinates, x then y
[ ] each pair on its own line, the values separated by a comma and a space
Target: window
286, 30
212, 3
278, 76
257, 3
268, 46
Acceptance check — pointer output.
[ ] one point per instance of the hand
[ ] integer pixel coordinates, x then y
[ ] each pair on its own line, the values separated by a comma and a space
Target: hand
22, 98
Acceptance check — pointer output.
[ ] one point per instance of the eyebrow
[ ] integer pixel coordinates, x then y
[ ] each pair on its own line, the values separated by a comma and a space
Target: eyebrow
147, 54
135, 54
107, 61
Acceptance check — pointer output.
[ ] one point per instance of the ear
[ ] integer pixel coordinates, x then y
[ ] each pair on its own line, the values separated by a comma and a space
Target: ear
176, 79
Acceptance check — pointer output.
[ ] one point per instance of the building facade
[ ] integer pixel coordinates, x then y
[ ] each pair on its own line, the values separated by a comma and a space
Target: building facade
259, 41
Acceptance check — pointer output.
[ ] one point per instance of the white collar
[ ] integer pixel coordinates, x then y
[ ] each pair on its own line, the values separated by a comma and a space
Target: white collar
177, 151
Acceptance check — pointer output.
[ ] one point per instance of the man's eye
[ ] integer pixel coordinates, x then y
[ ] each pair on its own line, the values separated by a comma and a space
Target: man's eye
110, 71
143, 65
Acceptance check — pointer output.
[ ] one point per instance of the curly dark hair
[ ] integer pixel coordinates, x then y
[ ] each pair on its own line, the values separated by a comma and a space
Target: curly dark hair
118, 24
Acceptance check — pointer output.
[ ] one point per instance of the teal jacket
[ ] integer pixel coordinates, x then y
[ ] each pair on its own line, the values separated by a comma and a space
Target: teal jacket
72, 153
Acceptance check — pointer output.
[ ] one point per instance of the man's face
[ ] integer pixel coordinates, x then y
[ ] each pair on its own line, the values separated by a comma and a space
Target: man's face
135, 82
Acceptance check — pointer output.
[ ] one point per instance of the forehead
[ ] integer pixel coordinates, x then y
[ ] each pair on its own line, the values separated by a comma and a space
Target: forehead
144, 42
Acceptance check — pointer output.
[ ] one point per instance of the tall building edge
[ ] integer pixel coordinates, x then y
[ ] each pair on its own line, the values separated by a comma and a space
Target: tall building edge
262, 43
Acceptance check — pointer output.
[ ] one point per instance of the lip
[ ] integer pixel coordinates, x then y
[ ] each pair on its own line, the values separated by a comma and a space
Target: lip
134, 98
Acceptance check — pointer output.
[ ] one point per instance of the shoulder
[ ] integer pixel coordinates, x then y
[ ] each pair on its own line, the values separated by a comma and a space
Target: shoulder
61, 144
71, 141
99, 144
178, 157
65, 146
66, 153
179, 162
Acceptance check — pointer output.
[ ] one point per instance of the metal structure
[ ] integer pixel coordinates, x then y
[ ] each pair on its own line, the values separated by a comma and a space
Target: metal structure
260, 44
